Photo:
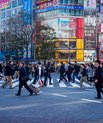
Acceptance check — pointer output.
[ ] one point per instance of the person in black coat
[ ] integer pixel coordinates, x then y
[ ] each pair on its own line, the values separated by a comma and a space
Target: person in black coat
8, 75
23, 78
69, 71
47, 74
76, 71
36, 73
98, 79
62, 72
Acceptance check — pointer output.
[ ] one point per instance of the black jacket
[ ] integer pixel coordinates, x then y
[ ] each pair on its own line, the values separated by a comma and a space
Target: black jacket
98, 74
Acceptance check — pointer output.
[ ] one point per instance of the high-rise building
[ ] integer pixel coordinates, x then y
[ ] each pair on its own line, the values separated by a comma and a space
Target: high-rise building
8, 8
11, 8
100, 30
66, 17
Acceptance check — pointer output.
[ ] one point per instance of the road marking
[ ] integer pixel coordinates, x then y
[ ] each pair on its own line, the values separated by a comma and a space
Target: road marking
94, 101
48, 85
86, 85
62, 84
17, 107
74, 85
15, 84
60, 95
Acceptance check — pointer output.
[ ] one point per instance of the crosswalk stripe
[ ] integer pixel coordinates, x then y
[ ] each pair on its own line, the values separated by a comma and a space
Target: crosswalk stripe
62, 84
86, 85
74, 85
15, 84
48, 85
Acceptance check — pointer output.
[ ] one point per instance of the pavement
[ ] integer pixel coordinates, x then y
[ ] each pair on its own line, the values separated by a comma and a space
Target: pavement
52, 105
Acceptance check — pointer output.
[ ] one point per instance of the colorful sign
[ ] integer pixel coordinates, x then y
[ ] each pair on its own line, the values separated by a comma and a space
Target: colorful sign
4, 4
89, 55
27, 10
73, 7
90, 38
89, 7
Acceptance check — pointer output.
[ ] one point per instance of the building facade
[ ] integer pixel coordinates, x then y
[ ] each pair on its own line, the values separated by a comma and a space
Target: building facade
8, 8
66, 17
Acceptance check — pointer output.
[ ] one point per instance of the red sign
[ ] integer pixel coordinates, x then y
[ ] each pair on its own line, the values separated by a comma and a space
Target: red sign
79, 23
72, 23
79, 33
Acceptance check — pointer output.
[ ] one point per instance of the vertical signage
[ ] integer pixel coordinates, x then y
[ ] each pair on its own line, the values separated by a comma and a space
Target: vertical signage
27, 11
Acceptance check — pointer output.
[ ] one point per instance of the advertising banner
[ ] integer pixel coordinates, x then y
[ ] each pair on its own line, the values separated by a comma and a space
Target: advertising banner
89, 55
72, 23
4, 4
90, 38
90, 21
89, 7
27, 10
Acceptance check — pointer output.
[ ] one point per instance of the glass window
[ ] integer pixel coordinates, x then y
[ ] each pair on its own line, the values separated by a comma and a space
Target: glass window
80, 2
19, 9
61, 1
14, 12
19, 2
14, 3
2, 15
8, 14
9, 5
66, 1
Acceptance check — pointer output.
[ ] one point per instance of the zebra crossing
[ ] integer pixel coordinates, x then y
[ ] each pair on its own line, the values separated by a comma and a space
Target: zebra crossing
54, 82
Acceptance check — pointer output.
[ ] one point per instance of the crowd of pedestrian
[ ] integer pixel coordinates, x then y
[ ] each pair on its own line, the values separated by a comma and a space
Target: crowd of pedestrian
89, 73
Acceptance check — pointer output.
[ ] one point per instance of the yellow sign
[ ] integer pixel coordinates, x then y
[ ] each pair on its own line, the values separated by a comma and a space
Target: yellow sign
79, 44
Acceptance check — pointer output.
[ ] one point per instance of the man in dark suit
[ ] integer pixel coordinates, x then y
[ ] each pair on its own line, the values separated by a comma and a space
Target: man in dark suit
23, 78
98, 79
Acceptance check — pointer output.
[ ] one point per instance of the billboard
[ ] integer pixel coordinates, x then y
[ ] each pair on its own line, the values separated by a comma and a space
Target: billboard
89, 7
89, 55
4, 4
90, 38
27, 10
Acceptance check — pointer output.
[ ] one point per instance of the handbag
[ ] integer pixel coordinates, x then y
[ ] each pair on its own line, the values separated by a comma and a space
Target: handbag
40, 82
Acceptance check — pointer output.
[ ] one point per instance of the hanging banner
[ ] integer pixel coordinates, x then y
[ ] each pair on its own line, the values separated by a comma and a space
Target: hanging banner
27, 10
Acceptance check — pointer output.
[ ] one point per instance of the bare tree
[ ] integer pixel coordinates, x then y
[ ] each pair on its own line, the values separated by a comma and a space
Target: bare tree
21, 33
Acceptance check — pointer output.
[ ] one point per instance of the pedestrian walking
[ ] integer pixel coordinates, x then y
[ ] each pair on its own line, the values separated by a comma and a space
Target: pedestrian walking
17, 70
62, 72
47, 74
36, 73
69, 72
76, 71
83, 75
23, 78
98, 79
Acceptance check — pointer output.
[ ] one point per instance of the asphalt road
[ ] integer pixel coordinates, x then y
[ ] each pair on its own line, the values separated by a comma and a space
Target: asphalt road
52, 105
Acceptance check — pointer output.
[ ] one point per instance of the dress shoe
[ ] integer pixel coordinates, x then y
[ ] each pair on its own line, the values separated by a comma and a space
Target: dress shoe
97, 97
51, 83
17, 94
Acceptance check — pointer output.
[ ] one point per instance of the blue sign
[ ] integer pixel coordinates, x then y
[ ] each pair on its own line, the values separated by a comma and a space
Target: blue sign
60, 7
27, 11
